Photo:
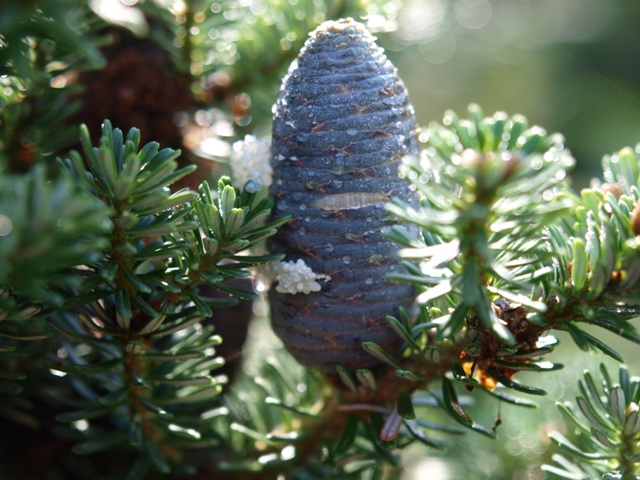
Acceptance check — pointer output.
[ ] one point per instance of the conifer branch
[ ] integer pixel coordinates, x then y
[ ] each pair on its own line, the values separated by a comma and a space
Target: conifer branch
107, 270
607, 423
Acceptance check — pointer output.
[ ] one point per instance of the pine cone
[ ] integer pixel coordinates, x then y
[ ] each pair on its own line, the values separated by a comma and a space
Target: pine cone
342, 124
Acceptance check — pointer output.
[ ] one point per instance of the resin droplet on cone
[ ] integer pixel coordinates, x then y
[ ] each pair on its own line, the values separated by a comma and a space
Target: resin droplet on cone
342, 123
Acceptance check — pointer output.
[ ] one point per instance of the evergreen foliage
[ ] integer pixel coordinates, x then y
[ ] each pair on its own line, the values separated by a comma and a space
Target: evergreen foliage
117, 281
609, 438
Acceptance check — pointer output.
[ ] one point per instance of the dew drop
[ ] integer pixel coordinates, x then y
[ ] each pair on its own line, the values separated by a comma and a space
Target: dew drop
328, 248
377, 258
252, 187
338, 184
307, 219
537, 163
352, 132
282, 206
346, 260
369, 281
303, 206
560, 175
302, 137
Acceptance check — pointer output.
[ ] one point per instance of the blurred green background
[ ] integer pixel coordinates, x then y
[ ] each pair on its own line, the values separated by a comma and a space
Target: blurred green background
571, 66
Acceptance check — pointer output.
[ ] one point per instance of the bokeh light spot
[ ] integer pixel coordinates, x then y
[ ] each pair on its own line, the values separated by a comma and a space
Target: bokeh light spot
472, 14
6, 225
